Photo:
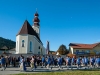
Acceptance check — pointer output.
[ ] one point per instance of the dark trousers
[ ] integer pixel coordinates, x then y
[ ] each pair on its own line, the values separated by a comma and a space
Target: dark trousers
14, 64
35, 66
6, 64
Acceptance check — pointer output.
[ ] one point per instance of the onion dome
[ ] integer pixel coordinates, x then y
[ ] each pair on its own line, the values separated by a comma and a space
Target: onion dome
36, 19
36, 14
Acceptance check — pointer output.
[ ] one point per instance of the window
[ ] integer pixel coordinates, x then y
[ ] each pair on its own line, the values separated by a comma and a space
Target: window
39, 47
87, 51
30, 46
83, 51
77, 50
23, 43
94, 51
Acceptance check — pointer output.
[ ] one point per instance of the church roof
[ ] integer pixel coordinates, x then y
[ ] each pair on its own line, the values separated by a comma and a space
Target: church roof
27, 29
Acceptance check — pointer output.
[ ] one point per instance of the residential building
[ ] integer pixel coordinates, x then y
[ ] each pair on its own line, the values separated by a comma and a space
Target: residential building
84, 49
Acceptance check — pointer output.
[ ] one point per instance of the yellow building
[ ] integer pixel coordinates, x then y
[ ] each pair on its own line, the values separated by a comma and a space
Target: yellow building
84, 49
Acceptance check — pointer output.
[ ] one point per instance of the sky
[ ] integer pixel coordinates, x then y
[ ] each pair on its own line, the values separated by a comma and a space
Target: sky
61, 21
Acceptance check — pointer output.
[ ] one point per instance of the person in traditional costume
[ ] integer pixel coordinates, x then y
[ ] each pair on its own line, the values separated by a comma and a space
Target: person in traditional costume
3, 62
59, 59
22, 65
48, 62
78, 62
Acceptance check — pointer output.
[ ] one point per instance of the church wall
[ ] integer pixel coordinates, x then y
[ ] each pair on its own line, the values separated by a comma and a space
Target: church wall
30, 39
26, 49
39, 49
19, 48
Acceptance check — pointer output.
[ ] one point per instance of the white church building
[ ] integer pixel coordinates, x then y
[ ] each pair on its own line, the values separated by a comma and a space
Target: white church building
28, 38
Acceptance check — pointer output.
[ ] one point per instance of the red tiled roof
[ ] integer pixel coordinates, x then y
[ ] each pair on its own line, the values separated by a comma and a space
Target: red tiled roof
83, 46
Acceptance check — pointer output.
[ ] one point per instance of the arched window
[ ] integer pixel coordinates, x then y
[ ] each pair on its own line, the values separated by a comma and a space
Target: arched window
23, 43
39, 47
30, 46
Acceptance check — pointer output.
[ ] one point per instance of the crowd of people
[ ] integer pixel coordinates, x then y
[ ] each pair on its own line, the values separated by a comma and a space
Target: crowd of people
48, 62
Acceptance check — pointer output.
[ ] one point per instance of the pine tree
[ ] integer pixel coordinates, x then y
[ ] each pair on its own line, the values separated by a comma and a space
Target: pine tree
63, 50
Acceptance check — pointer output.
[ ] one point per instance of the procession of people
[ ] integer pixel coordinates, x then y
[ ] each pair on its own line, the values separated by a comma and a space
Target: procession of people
46, 61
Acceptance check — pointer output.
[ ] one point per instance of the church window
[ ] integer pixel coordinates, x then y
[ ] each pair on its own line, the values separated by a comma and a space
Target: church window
39, 47
30, 46
23, 43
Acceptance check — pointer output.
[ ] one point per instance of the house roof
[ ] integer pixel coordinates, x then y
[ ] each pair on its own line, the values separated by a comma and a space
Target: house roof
4, 48
83, 46
27, 29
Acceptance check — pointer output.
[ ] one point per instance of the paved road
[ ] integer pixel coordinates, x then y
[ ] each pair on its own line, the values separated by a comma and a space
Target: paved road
39, 69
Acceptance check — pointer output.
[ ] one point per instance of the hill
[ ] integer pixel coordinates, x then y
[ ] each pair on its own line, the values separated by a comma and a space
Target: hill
7, 42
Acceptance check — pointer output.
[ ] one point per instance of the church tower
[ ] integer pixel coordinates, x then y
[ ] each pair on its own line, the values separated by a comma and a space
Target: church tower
36, 25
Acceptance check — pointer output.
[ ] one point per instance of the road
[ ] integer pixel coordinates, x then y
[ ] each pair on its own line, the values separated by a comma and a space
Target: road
39, 69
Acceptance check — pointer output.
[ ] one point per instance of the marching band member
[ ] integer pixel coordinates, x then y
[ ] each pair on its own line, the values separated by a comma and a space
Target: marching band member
78, 62
68, 62
48, 62
86, 62
72, 61
92, 61
59, 59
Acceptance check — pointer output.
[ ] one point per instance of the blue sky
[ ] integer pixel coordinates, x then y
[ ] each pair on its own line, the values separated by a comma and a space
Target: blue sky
61, 21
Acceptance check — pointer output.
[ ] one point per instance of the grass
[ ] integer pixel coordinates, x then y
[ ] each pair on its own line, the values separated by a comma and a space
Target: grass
74, 72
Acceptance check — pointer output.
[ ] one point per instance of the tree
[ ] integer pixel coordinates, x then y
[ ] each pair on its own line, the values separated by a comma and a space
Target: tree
62, 50
7, 42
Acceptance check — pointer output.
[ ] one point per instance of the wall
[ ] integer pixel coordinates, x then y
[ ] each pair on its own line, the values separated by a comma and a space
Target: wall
71, 50
97, 49
26, 49
12, 51
19, 48
37, 29
37, 45
30, 38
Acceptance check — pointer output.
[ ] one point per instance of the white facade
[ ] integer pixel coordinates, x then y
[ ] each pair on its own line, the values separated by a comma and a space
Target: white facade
37, 29
71, 50
28, 44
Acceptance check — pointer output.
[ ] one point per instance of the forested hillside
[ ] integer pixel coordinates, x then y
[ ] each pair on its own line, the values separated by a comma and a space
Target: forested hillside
7, 42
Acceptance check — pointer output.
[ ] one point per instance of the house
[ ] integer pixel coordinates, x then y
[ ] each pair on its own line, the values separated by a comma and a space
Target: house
7, 50
84, 49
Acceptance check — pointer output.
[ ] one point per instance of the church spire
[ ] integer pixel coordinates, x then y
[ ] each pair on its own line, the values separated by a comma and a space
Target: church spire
36, 25
36, 19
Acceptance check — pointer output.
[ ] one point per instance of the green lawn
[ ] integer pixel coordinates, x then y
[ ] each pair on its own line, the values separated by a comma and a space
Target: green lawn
65, 73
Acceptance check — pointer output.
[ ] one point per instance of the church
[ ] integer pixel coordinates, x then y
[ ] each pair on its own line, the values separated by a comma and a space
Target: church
28, 38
